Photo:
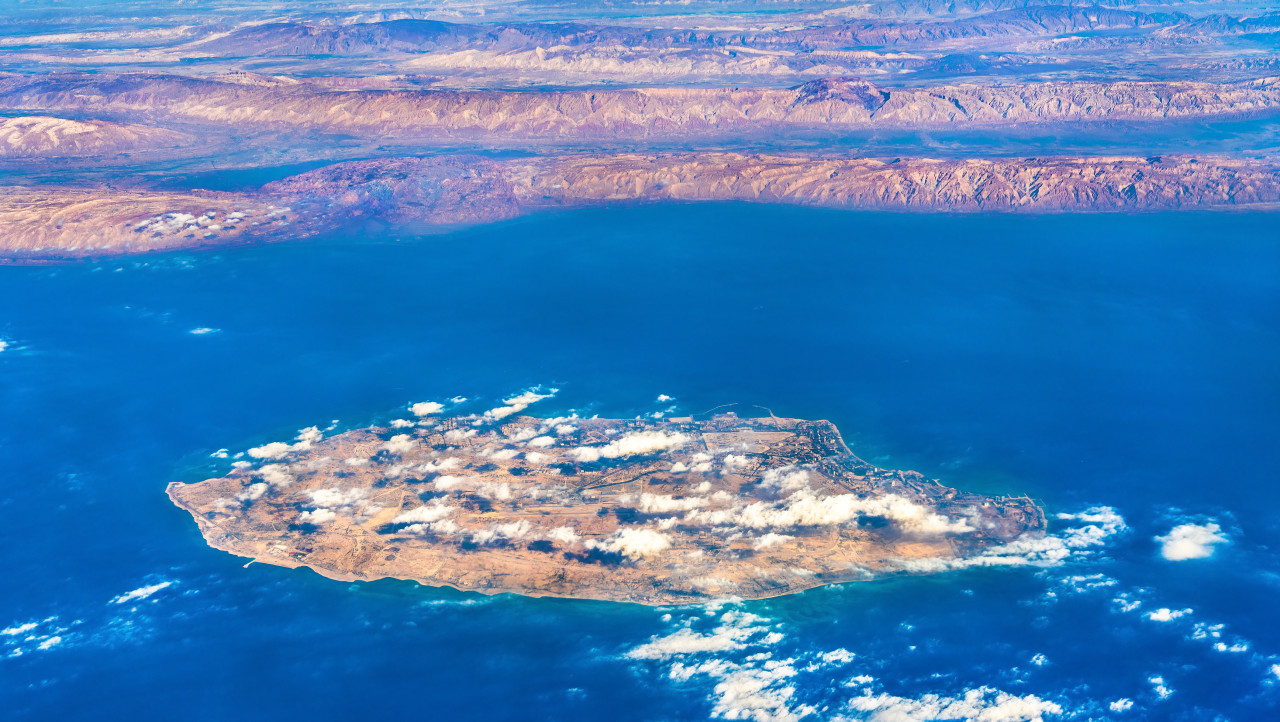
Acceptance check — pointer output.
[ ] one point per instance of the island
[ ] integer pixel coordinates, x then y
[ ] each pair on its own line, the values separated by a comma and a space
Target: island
645, 510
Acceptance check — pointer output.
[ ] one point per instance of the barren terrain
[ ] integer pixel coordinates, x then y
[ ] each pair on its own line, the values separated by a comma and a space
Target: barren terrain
54, 222
148, 130
653, 512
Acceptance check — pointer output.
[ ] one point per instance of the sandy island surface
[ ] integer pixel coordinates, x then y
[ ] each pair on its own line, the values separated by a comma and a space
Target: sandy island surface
646, 511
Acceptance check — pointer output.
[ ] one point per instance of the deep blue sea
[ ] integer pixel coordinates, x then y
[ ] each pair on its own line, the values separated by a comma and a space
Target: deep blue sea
1127, 362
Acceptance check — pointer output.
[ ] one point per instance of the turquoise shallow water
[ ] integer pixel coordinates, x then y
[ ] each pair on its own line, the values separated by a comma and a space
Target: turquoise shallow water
1119, 361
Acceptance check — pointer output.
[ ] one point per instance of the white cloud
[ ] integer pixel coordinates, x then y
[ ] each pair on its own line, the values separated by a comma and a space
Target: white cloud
1121, 705
498, 532
426, 408
1204, 630
984, 704
203, 330
1164, 614
457, 436
308, 436
761, 693
140, 593
1125, 603
663, 398
494, 491
711, 583
443, 527
758, 688
401, 423
1191, 541
732, 634
541, 442
400, 444
1100, 523
771, 540
663, 503
49, 642
1158, 686
565, 429
1082, 583
634, 443
679, 467
784, 479
19, 629
836, 657
635, 543
565, 535
318, 516
278, 449
1093, 528
273, 450
439, 465
516, 404
751, 680
335, 496
447, 482
276, 475
804, 508
253, 492
434, 511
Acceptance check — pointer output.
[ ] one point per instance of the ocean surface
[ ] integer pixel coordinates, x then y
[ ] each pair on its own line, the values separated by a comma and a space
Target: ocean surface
1116, 367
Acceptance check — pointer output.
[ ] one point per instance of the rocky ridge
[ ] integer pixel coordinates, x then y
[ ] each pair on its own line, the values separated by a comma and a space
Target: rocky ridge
830, 105
55, 223
45, 137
